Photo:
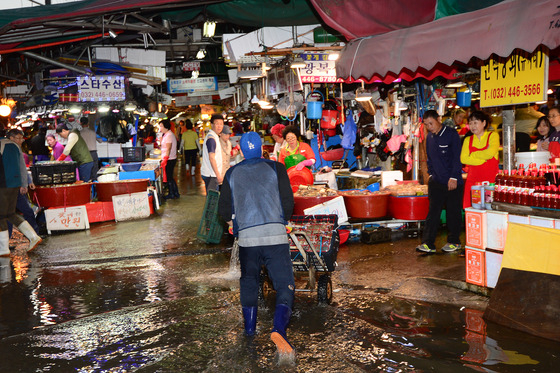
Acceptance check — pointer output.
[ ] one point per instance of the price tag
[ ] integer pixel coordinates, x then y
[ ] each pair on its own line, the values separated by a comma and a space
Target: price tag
522, 78
69, 218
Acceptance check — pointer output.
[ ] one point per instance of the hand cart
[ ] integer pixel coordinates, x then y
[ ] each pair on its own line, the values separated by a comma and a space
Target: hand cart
314, 245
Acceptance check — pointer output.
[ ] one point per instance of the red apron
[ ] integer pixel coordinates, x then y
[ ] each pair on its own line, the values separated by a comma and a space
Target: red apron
477, 174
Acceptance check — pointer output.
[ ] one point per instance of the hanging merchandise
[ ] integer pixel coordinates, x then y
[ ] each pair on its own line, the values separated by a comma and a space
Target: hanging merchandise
315, 108
290, 106
349, 136
331, 115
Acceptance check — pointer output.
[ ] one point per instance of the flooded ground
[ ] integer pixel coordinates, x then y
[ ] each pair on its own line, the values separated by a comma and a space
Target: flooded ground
147, 296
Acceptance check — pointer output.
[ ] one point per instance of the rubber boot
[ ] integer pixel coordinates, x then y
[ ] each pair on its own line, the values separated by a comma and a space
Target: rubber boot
282, 315
31, 235
250, 318
4, 243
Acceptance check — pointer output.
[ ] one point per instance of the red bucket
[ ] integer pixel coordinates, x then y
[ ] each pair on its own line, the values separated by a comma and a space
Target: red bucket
333, 154
409, 208
367, 206
106, 190
301, 177
62, 195
329, 120
302, 203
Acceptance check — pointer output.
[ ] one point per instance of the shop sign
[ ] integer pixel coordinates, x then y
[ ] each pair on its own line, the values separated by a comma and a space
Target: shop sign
191, 66
101, 88
318, 69
522, 78
188, 101
131, 206
192, 86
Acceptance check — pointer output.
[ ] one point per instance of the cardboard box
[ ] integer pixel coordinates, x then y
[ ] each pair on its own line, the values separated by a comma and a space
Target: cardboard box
475, 266
334, 206
496, 232
476, 231
493, 267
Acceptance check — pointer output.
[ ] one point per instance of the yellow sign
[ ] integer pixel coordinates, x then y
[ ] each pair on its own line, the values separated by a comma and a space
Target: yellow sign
523, 78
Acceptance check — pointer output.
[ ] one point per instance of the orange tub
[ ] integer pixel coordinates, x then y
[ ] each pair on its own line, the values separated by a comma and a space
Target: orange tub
368, 206
106, 190
409, 208
302, 203
62, 195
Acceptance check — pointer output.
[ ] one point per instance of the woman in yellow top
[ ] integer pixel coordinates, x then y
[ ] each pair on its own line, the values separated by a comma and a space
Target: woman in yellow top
480, 153
299, 154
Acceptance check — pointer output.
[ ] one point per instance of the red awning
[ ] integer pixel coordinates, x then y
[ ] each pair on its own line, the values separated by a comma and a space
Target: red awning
498, 29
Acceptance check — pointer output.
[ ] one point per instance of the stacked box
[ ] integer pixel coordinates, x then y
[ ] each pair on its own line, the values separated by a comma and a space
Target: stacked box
475, 266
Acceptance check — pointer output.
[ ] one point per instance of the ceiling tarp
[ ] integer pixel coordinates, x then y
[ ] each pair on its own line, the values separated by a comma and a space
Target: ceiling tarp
257, 13
498, 29
360, 18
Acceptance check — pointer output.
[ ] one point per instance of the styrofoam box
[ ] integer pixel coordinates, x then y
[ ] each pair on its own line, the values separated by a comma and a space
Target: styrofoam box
334, 206
390, 178
493, 267
476, 231
496, 232
538, 221
557, 223
475, 266
518, 219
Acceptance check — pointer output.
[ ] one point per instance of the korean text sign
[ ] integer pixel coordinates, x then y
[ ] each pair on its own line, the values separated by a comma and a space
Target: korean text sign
101, 88
522, 78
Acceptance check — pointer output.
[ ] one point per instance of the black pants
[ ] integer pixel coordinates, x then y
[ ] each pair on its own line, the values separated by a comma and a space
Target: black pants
171, 184
276, 259
191, 157
95, 167
439, 198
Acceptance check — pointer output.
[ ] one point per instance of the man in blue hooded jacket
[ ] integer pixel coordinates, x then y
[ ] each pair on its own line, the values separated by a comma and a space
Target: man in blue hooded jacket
256, 200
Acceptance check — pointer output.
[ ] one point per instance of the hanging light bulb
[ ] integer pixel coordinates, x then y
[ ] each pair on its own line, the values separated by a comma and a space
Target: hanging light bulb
103, 108
209, 29
298, 63
5, 110
130, 107
194, 74
75, 109
201, 54
362, 94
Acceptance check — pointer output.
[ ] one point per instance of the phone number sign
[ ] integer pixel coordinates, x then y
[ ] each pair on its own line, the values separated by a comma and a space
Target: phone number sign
521, 79
101, 88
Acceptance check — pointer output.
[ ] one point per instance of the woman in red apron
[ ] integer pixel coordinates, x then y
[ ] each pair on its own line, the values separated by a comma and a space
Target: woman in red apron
479, 153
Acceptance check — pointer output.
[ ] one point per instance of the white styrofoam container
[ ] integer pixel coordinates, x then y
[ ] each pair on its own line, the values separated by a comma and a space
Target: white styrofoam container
493, 267
496, 223
518, 219
538, 221
334, 206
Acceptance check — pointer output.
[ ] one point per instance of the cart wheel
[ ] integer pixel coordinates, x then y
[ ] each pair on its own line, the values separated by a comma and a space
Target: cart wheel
265, 287
324, 289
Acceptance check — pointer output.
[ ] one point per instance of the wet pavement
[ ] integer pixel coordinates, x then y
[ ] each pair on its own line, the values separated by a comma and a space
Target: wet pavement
147, 296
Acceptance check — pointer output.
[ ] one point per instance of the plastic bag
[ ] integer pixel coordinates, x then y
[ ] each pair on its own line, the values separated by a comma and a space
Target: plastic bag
349, 136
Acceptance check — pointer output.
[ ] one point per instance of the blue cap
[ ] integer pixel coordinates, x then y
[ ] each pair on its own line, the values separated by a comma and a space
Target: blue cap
251, 145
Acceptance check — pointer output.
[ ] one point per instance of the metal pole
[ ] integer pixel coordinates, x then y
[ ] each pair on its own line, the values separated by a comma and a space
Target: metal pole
57, 63
508, 135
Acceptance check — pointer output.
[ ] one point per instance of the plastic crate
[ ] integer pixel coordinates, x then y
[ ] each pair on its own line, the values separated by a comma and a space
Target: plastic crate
54, 173
134, 154
211, 228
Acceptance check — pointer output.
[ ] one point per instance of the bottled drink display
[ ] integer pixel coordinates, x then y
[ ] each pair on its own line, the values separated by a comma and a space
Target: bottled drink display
529, 186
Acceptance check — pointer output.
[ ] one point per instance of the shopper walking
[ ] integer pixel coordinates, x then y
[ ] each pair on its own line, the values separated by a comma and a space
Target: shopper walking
90, 137
226, 149
77, 148
211, 168
169, 158
190, 146
256, 200
13, 181
480, 154
445, 186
